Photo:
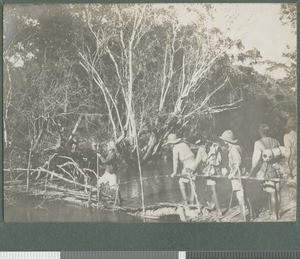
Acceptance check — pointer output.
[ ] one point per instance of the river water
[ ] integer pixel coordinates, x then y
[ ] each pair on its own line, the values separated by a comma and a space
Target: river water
25, 208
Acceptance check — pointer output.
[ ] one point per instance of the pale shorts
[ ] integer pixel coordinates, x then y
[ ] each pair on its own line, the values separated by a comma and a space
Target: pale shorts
210, 182
185, 175
270, 186
110, 179
236, 185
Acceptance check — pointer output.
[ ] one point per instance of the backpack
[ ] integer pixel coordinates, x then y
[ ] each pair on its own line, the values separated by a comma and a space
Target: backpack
270, 156
213, 161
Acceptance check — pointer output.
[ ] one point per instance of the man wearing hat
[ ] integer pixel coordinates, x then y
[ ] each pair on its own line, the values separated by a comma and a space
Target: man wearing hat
290, 146
235, 166
264, 169
182, 153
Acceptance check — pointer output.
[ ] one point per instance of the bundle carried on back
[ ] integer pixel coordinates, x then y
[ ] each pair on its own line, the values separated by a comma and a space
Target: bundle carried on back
272, 155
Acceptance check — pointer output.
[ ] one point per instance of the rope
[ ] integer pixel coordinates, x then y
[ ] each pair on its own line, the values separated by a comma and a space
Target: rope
245, 178
213, 176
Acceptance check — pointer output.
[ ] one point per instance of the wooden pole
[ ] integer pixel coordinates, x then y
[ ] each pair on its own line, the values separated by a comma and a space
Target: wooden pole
46, 181
117, 193
242, 189
98, 185
230, 201
141, 176
194, 192
28, 169
11, 169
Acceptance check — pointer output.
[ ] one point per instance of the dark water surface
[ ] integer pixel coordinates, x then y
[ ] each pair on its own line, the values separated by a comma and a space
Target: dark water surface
26, 210
161, 189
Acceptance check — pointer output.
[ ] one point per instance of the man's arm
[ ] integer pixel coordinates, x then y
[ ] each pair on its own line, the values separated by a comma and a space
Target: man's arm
237, 161
235, 171
201, 156
287, 147
256, 157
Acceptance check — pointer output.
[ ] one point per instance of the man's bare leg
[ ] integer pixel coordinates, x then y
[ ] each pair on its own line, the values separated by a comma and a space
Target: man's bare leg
192, 198
241, 199
215, 198
278, 204
183, 190
273, 201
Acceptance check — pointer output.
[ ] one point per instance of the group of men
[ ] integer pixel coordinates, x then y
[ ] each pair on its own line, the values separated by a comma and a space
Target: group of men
267, 160
268, 156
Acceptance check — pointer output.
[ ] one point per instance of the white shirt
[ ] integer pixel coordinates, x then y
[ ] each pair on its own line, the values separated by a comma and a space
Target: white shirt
290, 143
183, 153
110, 179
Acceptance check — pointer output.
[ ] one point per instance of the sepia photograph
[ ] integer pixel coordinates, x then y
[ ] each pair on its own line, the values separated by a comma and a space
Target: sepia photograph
150, 113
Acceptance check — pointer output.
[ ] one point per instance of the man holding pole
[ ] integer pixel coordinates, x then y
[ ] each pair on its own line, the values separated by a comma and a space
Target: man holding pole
267, 169
235, 165
182, 153
290, 146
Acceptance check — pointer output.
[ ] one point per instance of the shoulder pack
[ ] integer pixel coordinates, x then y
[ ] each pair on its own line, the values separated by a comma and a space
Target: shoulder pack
271, 154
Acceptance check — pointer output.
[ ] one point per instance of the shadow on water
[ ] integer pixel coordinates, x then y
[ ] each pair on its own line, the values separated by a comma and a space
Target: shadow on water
27, 209
162, 189
167, 189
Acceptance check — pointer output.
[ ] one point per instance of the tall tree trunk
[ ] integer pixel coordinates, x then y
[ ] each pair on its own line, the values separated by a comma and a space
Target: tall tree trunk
28, 167
74, 129
7, 102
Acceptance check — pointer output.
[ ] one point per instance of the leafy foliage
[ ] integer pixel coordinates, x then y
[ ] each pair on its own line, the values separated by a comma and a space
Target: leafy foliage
90, 73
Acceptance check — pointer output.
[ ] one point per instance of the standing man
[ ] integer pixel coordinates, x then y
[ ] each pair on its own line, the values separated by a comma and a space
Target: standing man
267, 169
212, 163
290, 146
182, 153
235, 166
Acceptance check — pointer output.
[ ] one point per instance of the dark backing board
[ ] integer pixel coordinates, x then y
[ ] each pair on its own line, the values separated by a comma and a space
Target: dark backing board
105, 236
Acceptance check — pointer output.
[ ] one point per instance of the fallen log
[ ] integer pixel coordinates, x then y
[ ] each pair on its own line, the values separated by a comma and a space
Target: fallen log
159, 210
92, 188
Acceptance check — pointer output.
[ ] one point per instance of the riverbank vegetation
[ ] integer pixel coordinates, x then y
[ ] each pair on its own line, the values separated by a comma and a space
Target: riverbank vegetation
75, 75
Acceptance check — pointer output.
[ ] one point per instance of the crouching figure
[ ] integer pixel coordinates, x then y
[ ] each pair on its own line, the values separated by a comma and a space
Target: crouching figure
108, 181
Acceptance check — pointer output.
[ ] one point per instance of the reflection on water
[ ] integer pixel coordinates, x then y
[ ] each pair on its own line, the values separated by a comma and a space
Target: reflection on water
26, 210
156, 190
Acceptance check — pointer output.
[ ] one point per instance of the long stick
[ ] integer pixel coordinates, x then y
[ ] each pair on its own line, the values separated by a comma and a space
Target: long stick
194, 192
141, 176
10, 169
46, 182
28, 169
242, 189
98, 186
230, 201
244, 178
117, 193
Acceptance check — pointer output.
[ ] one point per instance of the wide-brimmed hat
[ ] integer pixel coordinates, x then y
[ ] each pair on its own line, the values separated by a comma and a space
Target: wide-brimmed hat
172, 139
291, 123
229, 137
